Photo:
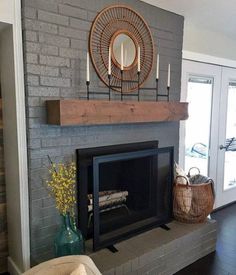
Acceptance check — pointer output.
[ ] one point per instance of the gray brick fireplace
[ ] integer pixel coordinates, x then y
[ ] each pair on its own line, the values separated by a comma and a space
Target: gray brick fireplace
55, 44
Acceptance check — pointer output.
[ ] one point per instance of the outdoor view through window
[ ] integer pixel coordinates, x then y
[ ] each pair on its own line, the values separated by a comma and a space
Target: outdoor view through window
199, 122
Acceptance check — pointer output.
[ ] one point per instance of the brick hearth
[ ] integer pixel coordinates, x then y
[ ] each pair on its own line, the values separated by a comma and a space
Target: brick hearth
158, 251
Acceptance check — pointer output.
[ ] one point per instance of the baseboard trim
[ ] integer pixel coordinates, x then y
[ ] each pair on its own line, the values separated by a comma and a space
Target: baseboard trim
13, 268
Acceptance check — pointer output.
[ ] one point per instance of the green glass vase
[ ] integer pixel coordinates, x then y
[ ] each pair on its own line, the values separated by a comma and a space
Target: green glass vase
68, 241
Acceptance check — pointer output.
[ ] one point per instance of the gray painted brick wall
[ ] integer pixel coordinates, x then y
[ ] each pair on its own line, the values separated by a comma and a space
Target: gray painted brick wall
55, 45
159, 252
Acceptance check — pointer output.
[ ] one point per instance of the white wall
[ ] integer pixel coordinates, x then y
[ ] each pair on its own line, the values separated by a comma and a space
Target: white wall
15, 150
7, 11
208, 42
199, 37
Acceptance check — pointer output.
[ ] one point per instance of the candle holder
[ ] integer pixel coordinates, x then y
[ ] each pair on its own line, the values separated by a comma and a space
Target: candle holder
162, 95
87, 84
109, 86
157, 80
120, 87
156, 90
168, 93
138, 85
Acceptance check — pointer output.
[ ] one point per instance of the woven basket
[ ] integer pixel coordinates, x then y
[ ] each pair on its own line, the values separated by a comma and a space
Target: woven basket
192, 202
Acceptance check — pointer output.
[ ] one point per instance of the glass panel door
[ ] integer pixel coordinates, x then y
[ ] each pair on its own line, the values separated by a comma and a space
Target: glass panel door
208, 137
226, 168
197, 138
201, 85
199, 147
230, 142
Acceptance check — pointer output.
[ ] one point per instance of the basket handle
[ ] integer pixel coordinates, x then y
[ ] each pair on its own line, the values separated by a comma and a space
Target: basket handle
189, 175
212, 187
187, 181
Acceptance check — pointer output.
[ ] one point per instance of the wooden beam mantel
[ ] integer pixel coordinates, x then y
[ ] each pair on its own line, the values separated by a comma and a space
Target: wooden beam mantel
93, 112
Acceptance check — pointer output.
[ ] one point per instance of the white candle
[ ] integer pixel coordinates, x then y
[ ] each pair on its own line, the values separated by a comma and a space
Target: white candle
138, 58
87, 66
122, 57
168, 79
126, 57
109, 62
157, 75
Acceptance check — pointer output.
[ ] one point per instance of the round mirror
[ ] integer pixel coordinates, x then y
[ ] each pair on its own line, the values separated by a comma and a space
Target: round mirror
113, 26
129, 49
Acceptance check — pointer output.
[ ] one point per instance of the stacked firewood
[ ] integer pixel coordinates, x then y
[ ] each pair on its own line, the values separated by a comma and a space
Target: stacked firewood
108, 199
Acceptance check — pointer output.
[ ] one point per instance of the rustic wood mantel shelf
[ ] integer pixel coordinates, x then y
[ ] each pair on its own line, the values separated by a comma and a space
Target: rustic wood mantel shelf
94, 112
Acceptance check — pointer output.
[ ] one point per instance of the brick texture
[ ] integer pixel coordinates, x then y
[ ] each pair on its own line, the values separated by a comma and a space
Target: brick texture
55, 34
158, 251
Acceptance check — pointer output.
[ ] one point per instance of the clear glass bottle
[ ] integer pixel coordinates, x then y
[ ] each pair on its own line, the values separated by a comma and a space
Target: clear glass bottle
68, 241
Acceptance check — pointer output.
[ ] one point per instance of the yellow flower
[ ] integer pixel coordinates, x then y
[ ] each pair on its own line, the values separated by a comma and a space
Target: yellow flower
62, 186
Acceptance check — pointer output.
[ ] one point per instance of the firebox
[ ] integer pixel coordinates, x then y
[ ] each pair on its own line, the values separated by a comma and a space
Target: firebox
123, 190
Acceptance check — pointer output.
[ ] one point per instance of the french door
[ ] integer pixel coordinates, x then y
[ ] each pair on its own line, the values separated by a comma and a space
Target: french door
208, 137
226, 173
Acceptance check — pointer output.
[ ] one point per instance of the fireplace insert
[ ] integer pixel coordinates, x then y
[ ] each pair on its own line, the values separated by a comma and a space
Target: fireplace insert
123, 190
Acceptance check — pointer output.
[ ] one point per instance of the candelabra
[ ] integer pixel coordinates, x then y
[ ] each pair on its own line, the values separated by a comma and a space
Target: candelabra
120, 87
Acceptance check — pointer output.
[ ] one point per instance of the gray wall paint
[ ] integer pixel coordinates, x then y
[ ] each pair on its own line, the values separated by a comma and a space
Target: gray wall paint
55, 45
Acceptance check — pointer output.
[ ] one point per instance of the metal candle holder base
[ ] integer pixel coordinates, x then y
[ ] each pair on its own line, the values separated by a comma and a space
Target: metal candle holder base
88, 93
110, 87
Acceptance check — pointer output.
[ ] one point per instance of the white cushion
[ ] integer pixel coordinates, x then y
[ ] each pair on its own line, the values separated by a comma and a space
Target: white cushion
65, 266
80, 270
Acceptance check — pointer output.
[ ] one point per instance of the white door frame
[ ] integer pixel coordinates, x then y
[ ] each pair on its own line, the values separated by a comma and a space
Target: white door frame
214, 72
22, 139
19, 249
229, 195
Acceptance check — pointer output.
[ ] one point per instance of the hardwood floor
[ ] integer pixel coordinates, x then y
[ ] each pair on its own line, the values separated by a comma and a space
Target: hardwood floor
223, 261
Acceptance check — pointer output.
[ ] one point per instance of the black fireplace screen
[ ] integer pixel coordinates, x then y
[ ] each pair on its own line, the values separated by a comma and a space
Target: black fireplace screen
126, 193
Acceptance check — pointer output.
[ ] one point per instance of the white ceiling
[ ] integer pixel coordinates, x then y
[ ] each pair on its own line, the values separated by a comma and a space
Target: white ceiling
213, 15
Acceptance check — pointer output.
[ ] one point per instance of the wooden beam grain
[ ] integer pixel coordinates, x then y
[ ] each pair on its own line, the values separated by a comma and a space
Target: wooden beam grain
94, 112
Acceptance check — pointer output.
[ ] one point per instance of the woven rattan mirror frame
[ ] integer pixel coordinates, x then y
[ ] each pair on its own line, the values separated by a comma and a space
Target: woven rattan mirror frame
120, 19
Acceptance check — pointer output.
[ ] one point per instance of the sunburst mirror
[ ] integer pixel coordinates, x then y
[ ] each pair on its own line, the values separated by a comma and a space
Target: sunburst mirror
123, 31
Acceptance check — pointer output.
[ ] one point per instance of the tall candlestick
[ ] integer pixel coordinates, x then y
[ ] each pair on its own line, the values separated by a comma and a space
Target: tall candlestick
138, 58
168, 79
126, 57
158, 61
122, 57
88, 67
109, 61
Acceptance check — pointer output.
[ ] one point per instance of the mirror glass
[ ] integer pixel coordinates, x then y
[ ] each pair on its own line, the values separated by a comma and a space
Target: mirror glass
129, 49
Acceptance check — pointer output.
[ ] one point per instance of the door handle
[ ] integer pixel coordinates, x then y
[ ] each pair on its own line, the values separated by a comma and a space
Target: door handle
222, 147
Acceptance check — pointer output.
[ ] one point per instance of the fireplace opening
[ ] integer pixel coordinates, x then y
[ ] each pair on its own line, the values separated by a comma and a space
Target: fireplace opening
123, 190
